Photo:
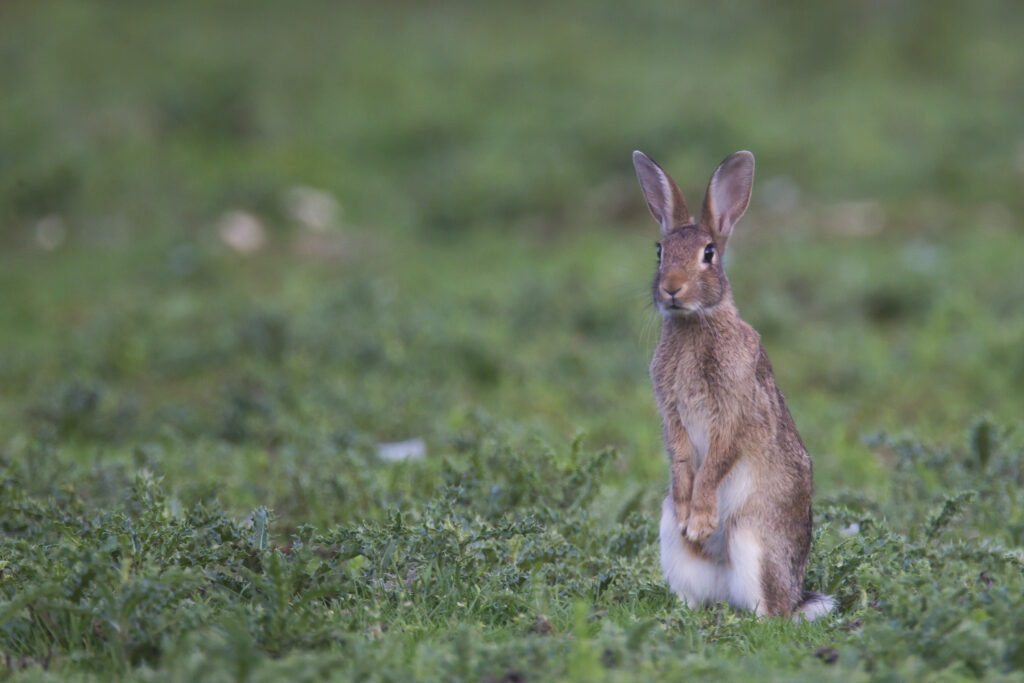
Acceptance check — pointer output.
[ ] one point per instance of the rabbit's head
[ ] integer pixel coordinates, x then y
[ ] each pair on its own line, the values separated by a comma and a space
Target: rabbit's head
690, 278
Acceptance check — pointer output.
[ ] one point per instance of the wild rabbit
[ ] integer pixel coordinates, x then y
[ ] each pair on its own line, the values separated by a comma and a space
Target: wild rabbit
736, 523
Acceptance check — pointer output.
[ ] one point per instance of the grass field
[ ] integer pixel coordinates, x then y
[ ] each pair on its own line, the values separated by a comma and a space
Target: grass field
438, 236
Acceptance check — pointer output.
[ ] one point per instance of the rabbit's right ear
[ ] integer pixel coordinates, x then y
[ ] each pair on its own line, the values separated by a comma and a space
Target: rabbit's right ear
663, 197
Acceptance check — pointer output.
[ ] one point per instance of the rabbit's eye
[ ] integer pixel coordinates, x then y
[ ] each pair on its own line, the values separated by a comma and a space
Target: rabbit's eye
658, 245
709, 253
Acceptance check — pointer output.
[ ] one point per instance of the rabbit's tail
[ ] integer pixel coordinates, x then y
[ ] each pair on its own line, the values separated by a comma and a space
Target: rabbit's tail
814, 605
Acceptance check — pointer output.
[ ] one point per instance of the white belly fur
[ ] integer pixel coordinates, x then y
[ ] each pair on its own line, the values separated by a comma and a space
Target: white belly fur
734, 491
733, 571
696, 580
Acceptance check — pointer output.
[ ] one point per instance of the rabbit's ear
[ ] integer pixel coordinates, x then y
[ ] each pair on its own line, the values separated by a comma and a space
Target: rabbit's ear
728, 195
663, 197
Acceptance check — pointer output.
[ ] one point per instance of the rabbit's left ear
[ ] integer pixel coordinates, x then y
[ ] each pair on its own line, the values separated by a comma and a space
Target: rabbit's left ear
728, 196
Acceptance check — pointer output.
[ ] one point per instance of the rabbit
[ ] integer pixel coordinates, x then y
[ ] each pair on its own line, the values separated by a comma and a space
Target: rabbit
736, 523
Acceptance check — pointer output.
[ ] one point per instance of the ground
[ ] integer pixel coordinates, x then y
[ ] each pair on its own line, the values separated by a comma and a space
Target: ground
243, 245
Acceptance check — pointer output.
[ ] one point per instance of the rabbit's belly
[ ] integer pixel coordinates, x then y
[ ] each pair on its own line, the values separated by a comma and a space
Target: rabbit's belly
738, 485
735, 489
733, 493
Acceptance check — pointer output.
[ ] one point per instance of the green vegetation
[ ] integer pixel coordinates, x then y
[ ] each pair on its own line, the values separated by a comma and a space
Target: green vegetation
189, 433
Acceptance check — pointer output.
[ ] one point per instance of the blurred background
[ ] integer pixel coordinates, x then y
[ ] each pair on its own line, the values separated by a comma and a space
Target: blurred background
244, 243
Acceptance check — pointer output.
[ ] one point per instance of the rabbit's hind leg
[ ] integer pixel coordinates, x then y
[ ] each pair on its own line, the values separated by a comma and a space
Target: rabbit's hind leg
746, 570
762, 576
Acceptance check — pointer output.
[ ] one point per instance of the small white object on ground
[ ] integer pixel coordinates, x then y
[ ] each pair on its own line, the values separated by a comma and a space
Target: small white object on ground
242, 231
50, 232
314, 209
413, 449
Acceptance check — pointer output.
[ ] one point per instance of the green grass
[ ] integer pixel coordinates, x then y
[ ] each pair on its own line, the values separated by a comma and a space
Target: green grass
188, 436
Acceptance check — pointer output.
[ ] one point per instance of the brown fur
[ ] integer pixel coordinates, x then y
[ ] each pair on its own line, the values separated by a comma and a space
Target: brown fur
715, 391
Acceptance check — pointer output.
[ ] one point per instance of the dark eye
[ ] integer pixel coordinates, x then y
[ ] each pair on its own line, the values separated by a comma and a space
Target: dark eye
709, 253
658, 245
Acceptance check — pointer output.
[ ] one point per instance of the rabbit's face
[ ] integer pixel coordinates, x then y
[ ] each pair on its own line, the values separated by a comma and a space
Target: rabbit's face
690, 278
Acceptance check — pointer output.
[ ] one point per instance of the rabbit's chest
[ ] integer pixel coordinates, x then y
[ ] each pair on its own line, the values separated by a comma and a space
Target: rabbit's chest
696, 420
702, 398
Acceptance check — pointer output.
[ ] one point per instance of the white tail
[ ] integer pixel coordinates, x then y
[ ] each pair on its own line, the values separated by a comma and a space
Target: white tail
814, 605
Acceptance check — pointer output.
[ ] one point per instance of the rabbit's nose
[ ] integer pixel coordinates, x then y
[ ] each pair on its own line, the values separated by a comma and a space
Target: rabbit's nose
671, 288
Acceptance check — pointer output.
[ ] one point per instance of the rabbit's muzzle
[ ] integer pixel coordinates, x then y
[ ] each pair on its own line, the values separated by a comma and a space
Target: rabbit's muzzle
674, 296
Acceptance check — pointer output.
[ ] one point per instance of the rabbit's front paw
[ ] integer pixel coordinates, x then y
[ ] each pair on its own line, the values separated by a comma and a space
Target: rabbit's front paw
682, 509
702, 523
